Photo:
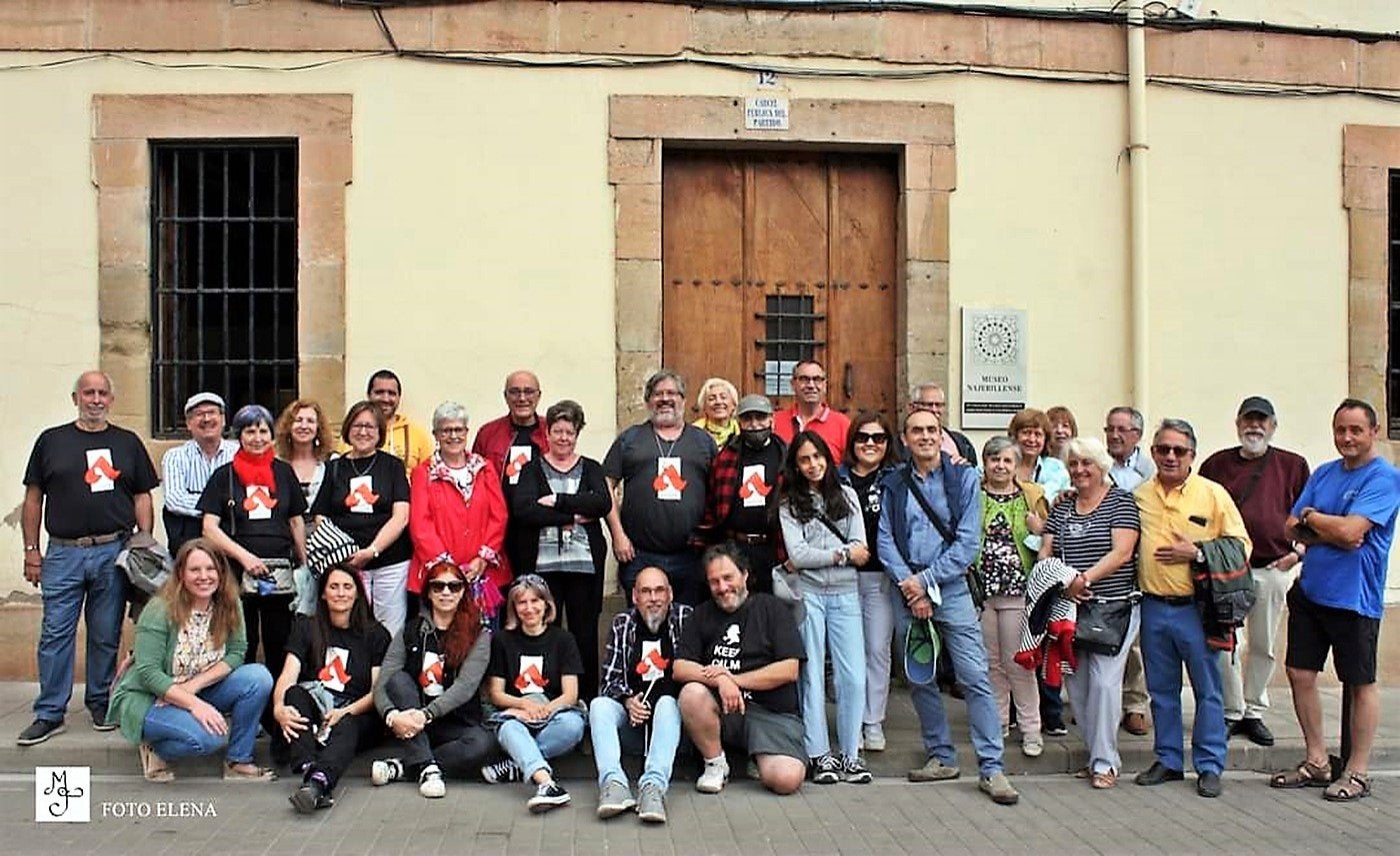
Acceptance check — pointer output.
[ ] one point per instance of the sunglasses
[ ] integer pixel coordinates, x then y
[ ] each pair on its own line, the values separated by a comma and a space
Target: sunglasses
1167, 451
440, 586
879, 437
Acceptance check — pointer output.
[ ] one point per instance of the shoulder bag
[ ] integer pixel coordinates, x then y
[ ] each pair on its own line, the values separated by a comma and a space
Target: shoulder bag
1101, 623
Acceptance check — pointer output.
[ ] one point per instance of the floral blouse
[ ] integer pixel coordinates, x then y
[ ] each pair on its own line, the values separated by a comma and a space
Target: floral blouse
193, 651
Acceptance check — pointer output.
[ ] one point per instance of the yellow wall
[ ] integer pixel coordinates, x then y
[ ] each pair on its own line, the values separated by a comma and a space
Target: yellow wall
480, 236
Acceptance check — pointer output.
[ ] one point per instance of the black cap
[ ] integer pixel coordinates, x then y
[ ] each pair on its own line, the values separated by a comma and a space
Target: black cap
1256, 404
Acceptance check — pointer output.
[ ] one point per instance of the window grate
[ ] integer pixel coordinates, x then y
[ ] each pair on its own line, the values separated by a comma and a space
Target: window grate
1392, 389
790, 336
223, 275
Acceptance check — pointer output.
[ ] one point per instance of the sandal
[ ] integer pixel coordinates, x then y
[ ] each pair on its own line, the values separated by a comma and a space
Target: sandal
1307, 775
1105, 780
1083, 772
153, 767
1351, 786
257, 774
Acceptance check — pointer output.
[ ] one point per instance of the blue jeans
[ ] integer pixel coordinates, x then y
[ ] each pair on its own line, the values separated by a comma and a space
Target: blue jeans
960, 629
683, 569
612, 732
529, 749
1173, 636
74, 580
833, 618
174, 733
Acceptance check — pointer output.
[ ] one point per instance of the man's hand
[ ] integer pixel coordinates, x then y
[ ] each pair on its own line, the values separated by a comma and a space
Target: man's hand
33, 567
731, 698
623, 550
1179, 552
638, 711
912, 588
921, 608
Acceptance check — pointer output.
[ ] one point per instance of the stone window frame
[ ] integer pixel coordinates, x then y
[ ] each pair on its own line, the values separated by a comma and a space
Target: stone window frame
920, 133
1369, 153
123, 126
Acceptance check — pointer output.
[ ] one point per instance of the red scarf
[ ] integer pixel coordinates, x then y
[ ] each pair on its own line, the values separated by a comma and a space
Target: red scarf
254, 469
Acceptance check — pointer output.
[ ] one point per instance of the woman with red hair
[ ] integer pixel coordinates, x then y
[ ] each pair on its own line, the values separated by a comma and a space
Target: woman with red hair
428, 689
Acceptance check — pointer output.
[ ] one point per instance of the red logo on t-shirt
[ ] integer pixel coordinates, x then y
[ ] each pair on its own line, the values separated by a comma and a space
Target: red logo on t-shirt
334, 672
516, 464
530, 677
361, 494
669, 478
431, 674
258, 495
100, 469
652, 660
754, 485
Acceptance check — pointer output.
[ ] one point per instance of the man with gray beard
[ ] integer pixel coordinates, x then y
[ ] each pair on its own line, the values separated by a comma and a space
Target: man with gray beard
636, 703
1264, 481
662, 466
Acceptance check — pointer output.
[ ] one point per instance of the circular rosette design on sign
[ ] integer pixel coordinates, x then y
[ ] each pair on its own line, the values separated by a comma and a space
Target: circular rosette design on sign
995, 339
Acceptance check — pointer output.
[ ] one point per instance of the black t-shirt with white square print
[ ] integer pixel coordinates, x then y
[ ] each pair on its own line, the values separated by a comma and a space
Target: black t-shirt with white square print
757, 634
90, 479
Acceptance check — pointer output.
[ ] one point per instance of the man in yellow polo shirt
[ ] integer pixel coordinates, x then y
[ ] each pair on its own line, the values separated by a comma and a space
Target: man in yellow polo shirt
1179, 510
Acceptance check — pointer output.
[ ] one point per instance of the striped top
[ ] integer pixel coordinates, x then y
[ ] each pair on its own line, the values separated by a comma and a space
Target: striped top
185, 471
1081, 540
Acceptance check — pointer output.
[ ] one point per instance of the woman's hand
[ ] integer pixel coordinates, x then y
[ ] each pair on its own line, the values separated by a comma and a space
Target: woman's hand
253, 565
547, 500
531, 712
475, 568
859, 553
333, 716
291, 720
1078, 589
1035, 523
361, 558
208, 717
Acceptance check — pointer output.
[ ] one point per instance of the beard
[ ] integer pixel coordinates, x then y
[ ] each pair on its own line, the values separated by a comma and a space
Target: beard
1253, 444
654, 619
665, 418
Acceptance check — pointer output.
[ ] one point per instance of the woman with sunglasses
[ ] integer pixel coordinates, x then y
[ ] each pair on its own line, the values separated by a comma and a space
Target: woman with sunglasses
428, 690
533, 682
870, 454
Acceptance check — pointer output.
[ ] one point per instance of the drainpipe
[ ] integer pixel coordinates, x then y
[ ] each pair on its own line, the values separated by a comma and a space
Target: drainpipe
1137, 198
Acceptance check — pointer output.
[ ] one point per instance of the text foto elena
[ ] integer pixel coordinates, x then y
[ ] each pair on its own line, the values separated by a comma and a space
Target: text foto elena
160, 808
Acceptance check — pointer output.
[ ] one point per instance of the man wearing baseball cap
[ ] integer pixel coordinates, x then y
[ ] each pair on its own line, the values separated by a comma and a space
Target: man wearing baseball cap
741, 498
187, 467
1264, 481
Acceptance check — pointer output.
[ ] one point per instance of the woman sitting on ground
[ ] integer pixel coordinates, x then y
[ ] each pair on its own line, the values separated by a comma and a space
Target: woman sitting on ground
428, 689
188, 690
324, 698
534, 672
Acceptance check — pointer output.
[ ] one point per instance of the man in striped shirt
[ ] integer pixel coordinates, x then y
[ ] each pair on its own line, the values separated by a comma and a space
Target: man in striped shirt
187, 467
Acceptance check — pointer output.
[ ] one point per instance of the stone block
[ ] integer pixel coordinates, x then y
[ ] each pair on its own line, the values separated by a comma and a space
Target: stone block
633, 369
1013, 42
124, 295
321, 232
929, 37
1366, 187
513, 26
636, 161
1369, 245
123, 230
323, 379
1371, 145
1282, 58
926, 221
321, 327
121, 163
326, 158
944, 172
784, 33
246, 115
622, 28
175, 25
1077, 46
638, 302
638, 221
43, 24
294, 26
1380, 65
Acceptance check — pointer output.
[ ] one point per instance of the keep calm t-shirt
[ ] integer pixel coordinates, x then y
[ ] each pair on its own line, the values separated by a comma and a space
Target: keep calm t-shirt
757, 634
90, 479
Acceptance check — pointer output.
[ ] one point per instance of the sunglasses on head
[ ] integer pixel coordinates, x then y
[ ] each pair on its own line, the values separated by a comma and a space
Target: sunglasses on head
877, 437
1164, 450
439, 586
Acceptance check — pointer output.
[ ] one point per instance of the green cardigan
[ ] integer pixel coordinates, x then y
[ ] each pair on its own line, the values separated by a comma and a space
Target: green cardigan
148, 676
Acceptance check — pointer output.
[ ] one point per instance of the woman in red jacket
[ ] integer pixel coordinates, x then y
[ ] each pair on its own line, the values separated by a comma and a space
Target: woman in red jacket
457, 513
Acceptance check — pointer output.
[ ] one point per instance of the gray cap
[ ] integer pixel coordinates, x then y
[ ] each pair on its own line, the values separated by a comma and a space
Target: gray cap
1256, 404
204, 398
755, 404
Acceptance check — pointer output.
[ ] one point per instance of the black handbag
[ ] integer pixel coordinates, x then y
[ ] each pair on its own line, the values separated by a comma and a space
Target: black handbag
1101, 626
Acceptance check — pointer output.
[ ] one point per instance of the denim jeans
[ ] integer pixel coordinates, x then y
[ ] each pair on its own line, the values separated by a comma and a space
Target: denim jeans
174, 732
612, 733
878, 617
79, 580
682, 568
835, 618
529, 749
1173, 636
961, 632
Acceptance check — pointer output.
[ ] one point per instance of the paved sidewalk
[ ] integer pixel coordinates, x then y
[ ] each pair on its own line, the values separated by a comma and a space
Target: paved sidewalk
1057, 815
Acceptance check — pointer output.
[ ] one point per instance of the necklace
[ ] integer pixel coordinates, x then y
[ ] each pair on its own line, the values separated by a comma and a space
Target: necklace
369, 459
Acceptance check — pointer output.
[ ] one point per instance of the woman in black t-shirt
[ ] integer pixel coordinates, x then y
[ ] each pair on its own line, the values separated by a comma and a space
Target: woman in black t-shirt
533, 681
365, 493
253, 511
428, 689
324, 697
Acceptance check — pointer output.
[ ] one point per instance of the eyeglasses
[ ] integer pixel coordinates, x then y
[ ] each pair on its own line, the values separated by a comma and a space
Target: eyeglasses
521, 391
452, 432
361, 426
1167, 451
879, 438
1113, 429
809, 379
440, 586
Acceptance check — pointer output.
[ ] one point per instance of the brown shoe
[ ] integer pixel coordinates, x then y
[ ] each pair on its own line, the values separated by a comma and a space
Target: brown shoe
1136, 724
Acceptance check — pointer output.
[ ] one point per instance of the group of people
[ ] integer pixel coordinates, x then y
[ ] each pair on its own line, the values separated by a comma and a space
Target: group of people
462, 623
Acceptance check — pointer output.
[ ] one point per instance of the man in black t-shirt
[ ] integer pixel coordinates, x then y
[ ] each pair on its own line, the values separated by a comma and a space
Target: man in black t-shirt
636, 703
738, 660
90, 483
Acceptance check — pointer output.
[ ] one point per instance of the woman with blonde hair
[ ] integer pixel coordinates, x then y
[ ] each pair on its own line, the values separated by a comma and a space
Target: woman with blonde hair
188, 690
304, 441
717, 400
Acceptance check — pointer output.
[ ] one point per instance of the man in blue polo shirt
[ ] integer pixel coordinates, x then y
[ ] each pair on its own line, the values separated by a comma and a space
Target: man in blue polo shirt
1346, 517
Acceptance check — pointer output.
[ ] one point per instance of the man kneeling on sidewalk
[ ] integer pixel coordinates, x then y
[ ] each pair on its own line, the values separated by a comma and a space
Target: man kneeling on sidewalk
745, 693
636, 704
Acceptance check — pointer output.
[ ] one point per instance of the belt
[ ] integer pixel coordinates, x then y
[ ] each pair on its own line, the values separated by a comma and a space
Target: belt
749, 538
89, 540
1171, 599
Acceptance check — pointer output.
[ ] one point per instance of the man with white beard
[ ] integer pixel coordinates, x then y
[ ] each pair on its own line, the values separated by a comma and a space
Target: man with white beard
662, 466
1264, 481
636, 703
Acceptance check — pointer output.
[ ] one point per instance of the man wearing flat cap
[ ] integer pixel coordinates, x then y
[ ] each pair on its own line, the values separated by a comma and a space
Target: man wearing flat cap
1264, 481
741, 498
187, 467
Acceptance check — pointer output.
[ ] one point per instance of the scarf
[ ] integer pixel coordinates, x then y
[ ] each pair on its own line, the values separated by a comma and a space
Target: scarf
254, 469
439, 471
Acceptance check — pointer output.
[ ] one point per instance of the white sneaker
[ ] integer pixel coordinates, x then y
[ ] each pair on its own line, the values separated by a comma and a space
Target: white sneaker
385, 771
873, 737
713, 777
430, 783
1032, 745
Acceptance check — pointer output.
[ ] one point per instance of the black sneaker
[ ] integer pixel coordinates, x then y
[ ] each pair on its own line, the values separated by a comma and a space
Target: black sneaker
38, 731
855, 771
502, 772
826, 770
547, 796
100, 722
311, 796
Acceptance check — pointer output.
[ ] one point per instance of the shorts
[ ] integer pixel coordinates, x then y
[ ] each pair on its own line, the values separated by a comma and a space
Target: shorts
1314, 629
760, 731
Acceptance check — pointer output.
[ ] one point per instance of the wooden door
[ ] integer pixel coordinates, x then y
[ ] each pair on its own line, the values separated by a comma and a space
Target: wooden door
768, 258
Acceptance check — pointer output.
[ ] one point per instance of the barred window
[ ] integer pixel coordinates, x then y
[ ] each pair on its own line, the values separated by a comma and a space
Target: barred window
790, 328
223, 275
